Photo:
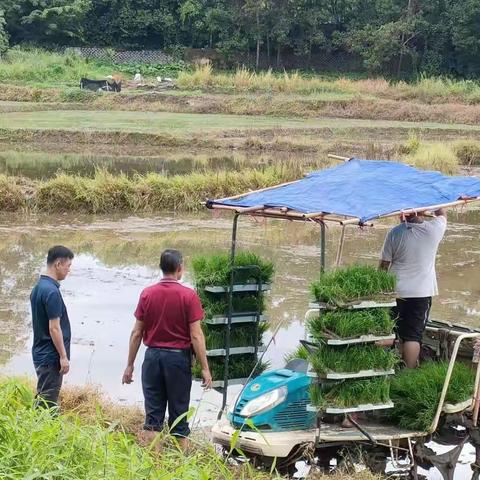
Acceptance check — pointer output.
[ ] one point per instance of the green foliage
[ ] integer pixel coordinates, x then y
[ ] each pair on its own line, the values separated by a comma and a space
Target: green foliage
416, 392
351, 393
152, 69
35, 444
3, 33
299, 353
353, 359
351, 323
216, 269
352, 283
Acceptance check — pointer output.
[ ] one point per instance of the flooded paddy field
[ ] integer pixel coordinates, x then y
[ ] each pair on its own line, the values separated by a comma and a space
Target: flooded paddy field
116, 257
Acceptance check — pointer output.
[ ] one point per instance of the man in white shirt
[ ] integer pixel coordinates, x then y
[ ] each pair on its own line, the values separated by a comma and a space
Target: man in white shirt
409, 252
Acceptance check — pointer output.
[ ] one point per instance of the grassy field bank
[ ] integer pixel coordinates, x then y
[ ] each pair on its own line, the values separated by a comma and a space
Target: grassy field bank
97, 439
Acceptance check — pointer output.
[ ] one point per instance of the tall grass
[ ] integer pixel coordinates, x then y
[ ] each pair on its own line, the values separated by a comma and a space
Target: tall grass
106, 192
425, 89
467, 152
416, 392
35, 444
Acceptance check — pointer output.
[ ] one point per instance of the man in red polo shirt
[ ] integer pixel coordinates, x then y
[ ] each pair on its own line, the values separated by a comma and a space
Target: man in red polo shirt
168, 319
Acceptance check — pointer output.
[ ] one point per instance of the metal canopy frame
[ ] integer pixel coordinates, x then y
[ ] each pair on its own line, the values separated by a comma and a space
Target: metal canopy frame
319, 218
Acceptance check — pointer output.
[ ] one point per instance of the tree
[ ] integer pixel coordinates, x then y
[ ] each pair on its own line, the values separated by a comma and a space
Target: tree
3, 33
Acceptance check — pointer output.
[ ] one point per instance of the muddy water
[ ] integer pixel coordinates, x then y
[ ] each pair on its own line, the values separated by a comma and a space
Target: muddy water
117, 257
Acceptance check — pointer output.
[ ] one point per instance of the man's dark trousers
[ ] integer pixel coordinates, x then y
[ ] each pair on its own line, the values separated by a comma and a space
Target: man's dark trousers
167, 379
48, 384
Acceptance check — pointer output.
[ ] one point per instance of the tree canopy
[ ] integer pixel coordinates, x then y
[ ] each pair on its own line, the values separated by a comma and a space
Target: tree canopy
388, 36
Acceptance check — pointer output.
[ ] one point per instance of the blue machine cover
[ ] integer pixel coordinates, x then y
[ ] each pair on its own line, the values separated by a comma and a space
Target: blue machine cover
365, 189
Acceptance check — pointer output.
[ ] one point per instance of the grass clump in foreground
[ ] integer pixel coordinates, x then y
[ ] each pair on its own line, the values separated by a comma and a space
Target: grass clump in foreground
353, 359
416, 392
351, 393
352, 283
35, 444
11, 195
351, 323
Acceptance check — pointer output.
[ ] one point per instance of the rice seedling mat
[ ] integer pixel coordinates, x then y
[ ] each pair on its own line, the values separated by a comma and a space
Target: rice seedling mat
335, 341
247, 287
247, 317
343, 376
354, 305
367, 407
221, 352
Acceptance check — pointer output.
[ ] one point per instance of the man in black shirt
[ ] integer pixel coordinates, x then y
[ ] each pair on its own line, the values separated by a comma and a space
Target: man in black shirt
51, 326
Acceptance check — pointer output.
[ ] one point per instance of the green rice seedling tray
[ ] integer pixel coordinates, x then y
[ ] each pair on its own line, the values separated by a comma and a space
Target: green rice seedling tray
247, 317
368, 407
221, 352
352, 341
247, 287
355, 305
345, 376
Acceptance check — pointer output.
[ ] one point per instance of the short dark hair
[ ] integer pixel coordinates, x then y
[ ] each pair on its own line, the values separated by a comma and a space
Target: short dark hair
58, 252
170, 261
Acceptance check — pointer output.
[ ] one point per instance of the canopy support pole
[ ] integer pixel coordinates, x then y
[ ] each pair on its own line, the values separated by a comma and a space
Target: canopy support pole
323, 235
340, 247
230, 313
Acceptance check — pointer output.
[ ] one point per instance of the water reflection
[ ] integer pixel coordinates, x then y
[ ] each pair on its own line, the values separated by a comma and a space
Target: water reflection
117, 257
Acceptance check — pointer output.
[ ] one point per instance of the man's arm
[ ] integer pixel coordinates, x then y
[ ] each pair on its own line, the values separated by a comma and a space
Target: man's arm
135, 341
57, 338
198, 343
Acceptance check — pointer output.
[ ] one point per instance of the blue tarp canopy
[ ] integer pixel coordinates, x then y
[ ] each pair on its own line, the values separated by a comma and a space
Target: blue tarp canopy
356, 190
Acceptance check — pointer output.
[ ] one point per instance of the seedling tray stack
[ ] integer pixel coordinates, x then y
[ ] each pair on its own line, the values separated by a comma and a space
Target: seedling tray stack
234, 336
352, 371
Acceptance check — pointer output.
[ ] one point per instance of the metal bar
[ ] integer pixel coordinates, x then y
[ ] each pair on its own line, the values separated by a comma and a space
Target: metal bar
476, 396
322, 247
230, 312
448, 376
340, 247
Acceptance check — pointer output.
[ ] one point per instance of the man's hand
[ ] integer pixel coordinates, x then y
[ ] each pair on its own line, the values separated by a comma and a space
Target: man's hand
207, 379
64, 365
128, 375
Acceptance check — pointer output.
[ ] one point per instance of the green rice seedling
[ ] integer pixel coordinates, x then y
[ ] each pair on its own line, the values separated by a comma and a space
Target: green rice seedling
352, 283
216, 269
217, 304
299, 353
416, 392
351, 323
240, 366
351, 393
353, 359
241, 335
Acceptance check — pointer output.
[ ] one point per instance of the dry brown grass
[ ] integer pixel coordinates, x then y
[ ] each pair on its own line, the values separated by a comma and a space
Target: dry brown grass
12, 196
